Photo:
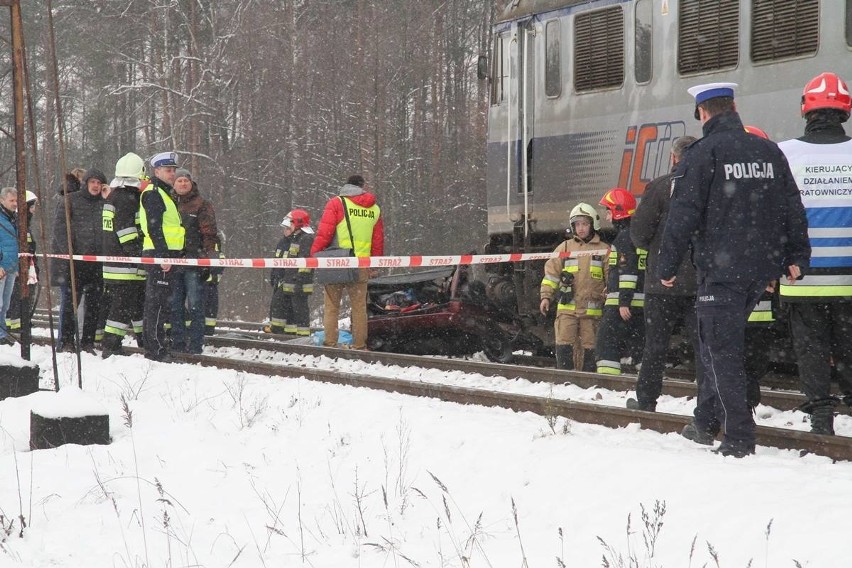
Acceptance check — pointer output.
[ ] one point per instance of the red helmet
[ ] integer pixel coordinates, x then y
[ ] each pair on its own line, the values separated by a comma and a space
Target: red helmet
299, 218
620, 202
756, 131
826, 90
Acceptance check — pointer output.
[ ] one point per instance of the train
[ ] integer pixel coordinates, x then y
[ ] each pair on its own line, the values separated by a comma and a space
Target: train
587, 95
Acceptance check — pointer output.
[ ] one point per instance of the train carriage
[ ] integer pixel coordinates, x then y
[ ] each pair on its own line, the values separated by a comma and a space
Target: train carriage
586, 95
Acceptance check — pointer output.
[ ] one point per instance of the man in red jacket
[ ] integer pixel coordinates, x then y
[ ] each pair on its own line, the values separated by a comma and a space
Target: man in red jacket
367, 238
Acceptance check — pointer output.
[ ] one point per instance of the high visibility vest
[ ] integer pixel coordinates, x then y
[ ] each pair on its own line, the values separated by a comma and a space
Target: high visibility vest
362, 220
823, 173
173, 230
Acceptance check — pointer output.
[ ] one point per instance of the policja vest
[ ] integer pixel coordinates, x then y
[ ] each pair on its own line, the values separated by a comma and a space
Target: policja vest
823, 173
173, 230
362, 221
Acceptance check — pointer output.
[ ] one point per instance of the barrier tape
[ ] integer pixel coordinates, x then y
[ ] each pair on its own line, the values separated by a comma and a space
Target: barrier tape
334, 262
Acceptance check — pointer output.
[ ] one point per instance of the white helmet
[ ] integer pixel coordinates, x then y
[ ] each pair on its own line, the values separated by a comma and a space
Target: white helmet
31, 196
585, 210
129, 165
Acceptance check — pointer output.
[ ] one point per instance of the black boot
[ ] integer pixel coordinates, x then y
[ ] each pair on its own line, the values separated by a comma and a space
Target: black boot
589, 362
822, 420
564, 356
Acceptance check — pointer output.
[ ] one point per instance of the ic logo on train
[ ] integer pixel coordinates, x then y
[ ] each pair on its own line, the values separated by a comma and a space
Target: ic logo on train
646, 153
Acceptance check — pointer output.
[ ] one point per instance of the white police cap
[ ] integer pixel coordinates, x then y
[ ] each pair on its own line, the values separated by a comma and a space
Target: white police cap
165, 159
711, 91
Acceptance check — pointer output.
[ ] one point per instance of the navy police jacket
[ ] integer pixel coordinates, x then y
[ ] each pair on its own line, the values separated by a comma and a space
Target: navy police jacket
736, 201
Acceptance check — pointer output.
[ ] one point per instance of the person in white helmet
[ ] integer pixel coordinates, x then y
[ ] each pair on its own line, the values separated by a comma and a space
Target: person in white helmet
576, 285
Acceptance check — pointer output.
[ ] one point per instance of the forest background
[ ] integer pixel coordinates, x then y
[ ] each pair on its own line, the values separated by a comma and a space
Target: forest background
271, 104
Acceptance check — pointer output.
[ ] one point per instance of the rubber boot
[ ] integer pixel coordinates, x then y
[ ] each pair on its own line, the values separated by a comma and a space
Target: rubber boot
564, 356
822, 420
589, 363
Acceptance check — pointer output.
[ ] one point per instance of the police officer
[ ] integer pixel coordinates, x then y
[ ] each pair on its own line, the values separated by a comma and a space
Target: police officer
736, 203
821, 303
163, 238
124, 284
664, 306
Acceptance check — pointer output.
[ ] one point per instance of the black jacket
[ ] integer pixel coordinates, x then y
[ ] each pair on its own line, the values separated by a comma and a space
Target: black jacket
646, 231
85, 211
736, 201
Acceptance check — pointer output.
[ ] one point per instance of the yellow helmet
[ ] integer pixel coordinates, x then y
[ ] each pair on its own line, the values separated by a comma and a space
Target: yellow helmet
585, 210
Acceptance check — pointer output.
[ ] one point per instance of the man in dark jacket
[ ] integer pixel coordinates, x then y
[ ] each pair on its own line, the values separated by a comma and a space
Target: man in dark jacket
664, 307
736, 202
83, 218
202, 240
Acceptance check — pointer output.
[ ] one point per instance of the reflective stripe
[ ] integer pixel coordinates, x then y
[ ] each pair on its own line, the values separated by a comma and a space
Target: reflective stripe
303, 331
817, 285
609, 367
308, 288
13, 323
548, 282
290, 328
210, 322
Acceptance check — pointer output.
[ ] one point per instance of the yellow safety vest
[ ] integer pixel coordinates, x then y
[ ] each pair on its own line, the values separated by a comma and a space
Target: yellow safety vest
362, 220
173, 230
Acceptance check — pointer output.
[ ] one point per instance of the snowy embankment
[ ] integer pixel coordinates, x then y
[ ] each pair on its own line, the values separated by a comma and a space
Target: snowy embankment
218, 468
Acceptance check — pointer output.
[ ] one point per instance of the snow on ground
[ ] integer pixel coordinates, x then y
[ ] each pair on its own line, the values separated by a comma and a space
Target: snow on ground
219, 468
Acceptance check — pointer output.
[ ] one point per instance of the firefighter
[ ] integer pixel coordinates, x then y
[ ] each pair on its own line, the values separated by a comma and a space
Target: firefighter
735, 203
622, 325
292, 287
577, 285
163, 237
124, 284
13, 316
211, 292
821, 303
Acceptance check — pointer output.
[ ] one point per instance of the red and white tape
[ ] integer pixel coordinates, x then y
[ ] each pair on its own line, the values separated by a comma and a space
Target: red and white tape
335, 262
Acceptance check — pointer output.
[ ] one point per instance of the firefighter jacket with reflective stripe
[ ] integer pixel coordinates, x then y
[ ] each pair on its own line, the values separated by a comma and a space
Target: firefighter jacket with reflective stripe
576, 283
121, 235
294, 280
361, 220
823, 173
160, 221
625, 279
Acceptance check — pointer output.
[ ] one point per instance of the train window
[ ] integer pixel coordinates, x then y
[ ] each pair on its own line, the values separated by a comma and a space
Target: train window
498, 67
644, 51
552, 59
599, 49
784, 28
849, 23
708, 32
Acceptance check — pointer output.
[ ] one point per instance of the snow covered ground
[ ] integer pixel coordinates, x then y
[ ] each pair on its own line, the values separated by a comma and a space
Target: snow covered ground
219, 468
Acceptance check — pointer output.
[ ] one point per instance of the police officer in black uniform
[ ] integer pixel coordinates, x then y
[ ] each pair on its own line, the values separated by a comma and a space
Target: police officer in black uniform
736, 202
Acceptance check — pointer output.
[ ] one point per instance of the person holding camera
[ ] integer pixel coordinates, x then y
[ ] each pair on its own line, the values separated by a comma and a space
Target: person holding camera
576, 284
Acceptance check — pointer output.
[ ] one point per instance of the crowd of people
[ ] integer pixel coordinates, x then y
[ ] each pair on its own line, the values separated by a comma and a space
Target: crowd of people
740, 228
160, 213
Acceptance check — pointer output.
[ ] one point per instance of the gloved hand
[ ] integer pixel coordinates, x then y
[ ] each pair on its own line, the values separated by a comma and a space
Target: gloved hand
203, 274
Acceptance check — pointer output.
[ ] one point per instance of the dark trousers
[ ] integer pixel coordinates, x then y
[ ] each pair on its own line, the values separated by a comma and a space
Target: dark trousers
723, 309
89, 285
662, 313
15, 314
126, 301
187, 307
618, 338
210, 291
159, 286
822, 332
289, 311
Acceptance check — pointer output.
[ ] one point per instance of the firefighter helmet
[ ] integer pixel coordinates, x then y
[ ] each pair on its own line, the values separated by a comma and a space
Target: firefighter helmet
756, 131
585, 210
826, 90
298, 219
31, 197
130, 166
620, 202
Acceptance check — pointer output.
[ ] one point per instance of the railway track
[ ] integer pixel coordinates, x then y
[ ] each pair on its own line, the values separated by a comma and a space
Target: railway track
835, 447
